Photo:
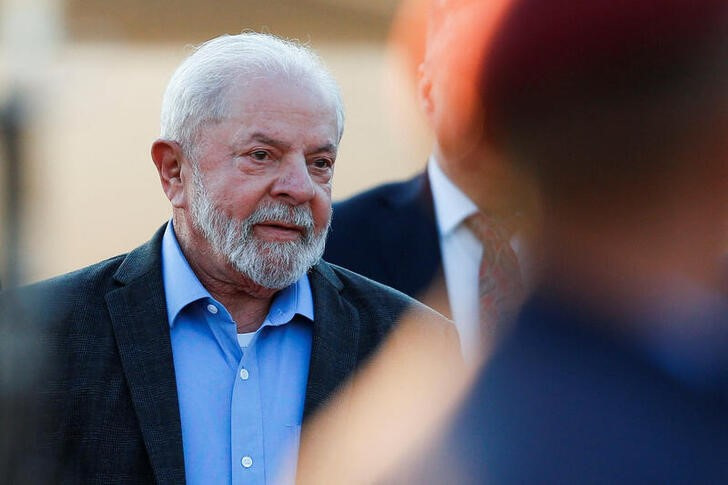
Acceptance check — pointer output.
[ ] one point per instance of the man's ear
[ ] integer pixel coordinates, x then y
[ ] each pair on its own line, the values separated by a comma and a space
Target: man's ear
424, 90
168, 158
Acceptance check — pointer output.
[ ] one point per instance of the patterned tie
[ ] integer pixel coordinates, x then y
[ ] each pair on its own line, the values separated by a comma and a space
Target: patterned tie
500, 288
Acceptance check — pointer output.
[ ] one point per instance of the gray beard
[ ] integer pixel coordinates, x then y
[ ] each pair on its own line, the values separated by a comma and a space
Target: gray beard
270, 264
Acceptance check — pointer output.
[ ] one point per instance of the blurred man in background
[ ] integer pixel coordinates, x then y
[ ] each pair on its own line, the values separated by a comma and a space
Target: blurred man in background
466, 218
617, 369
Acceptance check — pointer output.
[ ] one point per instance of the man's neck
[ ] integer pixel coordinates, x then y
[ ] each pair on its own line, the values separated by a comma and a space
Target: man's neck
491, 183
247, 302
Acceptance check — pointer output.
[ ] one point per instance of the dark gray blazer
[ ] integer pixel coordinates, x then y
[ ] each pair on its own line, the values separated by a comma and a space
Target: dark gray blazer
111, 412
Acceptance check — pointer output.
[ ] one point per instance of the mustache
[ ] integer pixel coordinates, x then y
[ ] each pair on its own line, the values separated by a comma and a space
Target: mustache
300, 215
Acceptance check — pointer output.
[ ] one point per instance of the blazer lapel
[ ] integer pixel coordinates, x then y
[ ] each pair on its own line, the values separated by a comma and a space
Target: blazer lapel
335, 338
139, 318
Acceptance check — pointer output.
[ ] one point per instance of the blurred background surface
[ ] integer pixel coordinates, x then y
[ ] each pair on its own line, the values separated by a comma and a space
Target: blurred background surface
81, 83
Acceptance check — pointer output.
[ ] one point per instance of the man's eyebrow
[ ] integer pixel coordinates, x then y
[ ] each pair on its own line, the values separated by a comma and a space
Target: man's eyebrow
262, 138
268, 140
329, 147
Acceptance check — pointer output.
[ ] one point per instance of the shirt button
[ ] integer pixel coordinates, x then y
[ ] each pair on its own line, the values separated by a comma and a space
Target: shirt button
244, 374
212, 308
247, 462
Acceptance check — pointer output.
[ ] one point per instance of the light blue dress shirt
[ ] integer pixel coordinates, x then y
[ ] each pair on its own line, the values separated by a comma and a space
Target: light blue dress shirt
241, 408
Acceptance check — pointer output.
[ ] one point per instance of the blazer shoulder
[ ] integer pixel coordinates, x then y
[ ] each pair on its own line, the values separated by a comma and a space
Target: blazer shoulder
368, 220
95, 280
383, 196
57, 297
90, 277
385, 304
389, 234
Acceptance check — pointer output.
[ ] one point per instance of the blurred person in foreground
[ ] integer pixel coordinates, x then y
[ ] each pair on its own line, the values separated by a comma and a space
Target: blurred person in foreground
617, 368
465, 221
196, 357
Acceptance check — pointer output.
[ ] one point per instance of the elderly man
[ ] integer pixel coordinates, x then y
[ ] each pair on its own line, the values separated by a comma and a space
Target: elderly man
448, 223
198, 355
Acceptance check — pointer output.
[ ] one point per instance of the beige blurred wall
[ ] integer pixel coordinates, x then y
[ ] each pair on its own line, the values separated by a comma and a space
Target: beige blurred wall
91, 190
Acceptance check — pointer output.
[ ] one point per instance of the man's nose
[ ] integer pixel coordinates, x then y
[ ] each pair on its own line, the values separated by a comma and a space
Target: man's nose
294, 181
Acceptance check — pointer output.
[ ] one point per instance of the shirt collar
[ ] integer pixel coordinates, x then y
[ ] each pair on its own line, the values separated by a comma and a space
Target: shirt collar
452, 206
182, 287
291, 300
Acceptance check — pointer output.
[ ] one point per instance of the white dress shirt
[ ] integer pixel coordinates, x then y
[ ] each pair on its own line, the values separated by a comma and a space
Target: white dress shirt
461, 254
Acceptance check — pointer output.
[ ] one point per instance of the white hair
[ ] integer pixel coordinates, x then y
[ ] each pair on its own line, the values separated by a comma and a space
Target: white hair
198, 90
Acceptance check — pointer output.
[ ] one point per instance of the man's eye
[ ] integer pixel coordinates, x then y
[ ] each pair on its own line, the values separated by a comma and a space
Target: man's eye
259, 155
322, 163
